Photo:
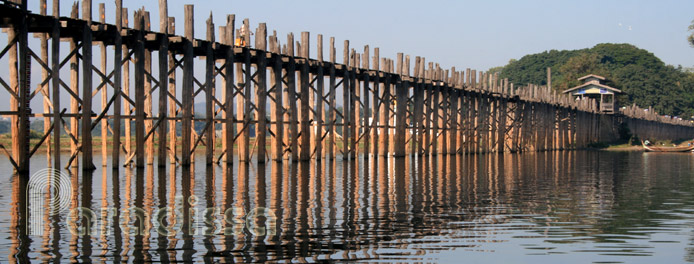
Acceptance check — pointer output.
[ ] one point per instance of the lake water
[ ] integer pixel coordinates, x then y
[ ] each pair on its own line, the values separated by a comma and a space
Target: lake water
569, 207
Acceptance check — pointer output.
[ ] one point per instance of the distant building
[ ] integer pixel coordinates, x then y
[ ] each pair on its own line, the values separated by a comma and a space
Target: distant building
593, 87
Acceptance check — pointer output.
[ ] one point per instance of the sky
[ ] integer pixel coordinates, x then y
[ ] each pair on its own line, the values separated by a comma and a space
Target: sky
474, 34
464, 34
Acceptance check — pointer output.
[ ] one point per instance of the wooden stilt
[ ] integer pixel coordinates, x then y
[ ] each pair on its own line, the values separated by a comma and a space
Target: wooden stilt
163, 83
377, 105
331, 101
139, 90
229, 90
87, 163
401, 89
346, 103
187, 88
55, 83
261, 91
291, 98
319, 102
304, 118
173, 108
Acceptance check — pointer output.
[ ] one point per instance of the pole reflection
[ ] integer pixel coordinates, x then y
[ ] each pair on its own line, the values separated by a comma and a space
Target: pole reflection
377, 208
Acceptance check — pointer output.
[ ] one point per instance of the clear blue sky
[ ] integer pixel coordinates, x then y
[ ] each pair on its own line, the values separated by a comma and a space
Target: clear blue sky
475, 34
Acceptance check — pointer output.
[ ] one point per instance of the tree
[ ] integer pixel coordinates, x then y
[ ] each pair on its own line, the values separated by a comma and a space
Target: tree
690, 38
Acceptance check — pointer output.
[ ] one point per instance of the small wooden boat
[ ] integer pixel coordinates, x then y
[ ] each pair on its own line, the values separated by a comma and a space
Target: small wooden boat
668, 149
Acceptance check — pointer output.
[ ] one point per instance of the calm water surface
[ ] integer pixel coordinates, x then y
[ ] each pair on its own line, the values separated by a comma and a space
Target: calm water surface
570, 207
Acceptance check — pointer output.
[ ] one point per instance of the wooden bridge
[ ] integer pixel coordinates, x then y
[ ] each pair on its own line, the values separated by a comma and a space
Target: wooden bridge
301, 108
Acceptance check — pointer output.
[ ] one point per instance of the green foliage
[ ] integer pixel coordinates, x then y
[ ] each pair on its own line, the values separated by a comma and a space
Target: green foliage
644, 79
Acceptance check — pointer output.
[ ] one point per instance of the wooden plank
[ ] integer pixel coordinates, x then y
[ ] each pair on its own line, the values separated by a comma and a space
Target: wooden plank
187, 87
55, 83
87, 163
163, 83
304, 90
261, 91
139, 89
209, 93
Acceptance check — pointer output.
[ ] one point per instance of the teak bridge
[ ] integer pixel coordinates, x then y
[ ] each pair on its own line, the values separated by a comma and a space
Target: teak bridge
301, 108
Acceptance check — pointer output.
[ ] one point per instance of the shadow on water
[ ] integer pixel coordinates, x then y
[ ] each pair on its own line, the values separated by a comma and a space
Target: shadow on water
606, 206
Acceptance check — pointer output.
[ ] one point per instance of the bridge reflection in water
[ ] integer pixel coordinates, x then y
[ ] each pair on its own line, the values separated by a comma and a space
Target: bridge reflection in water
394, 209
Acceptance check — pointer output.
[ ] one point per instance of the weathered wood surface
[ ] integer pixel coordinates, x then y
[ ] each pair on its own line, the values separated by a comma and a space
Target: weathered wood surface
307, 108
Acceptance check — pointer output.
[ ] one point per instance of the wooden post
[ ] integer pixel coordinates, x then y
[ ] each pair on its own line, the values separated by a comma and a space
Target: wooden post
502, 116
126, 89
139, 89
366, 124
229, 90
173, 137
104, 93
318, 117
435, 112
187, 87
304, 117
209, 94
163, 81
428, 92
331, 102
401, 89
87, 89
261, 91
19, 58
55, 82
354, 88
418, 107
453, 114
43, 38
149, 141
346, 103
291, 97
276, 106
384, 87
117, 62
74, 86
377, 104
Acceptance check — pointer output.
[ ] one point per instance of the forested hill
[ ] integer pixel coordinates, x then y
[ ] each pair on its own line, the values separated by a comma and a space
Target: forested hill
644, 78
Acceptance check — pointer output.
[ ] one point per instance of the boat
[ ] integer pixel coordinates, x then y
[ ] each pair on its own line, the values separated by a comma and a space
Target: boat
648, 148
